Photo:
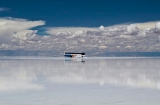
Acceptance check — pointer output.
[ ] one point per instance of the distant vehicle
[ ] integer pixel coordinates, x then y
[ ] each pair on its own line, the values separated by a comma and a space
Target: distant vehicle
74, 54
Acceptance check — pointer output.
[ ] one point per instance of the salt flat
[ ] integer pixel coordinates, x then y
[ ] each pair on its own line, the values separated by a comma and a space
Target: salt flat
89, 81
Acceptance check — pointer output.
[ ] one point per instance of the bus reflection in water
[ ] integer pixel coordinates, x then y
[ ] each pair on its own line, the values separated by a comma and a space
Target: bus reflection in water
74, 60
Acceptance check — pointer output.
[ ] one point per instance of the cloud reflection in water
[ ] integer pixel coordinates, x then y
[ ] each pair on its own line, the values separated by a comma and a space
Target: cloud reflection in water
27, 74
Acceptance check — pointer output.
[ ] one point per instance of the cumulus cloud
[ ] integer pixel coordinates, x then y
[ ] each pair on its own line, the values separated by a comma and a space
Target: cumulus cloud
138, 36
79, 33
101, 27
9, 26
142, 34
124, 36
63, 33
55, 30
157, 27
25, 34
132, 29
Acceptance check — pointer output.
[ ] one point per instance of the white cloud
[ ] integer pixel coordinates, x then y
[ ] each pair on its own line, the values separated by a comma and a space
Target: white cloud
63, 33
101, 27
24, 34
55, 30
145, 25
132, 29
113, 29
157, 25
78, 33
9, 26
147, 29
124, 36
117, 35
142, 34
4, 9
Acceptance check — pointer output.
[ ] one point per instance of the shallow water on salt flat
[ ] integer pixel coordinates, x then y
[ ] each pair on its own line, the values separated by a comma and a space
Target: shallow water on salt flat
90, 81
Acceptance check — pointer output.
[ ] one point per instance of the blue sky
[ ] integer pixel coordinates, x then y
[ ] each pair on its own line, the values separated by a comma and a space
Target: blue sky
42, 25
83, 13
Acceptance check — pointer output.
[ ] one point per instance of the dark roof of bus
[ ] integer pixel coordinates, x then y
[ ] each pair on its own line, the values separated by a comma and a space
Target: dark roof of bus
74, 53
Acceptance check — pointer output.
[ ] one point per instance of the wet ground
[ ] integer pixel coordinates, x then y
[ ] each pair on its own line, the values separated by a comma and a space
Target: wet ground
89, 81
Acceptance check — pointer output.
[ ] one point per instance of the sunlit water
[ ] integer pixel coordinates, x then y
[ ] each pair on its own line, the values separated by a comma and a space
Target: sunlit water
89, 81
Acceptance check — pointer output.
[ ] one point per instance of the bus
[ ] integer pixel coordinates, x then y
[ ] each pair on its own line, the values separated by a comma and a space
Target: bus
74, 54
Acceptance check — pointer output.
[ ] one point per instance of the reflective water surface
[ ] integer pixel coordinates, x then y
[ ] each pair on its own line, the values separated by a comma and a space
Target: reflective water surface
107, 81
